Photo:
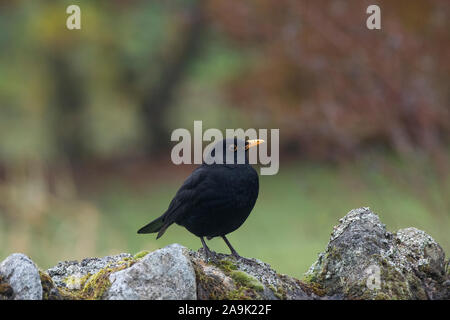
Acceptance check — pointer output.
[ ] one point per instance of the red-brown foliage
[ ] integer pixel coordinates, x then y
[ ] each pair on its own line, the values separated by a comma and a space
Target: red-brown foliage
334, 87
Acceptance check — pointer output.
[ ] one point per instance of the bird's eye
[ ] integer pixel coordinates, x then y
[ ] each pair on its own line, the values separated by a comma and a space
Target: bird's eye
232, 147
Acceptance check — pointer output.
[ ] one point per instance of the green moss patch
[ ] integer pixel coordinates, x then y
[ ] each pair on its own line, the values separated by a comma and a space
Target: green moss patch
141, 254
210, 287
225, 265
245, 280
88, 287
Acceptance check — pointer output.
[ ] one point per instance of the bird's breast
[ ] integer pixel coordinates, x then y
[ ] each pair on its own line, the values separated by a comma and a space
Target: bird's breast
243, 186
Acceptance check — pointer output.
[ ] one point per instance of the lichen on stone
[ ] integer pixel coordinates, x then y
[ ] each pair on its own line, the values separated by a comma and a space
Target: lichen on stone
227, 277
97, 285
360, 249
72, 274
81, 284
361, 261
211, 282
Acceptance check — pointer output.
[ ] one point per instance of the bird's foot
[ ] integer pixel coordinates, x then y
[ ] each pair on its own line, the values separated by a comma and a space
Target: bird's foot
236, 255
212, 259
210, 256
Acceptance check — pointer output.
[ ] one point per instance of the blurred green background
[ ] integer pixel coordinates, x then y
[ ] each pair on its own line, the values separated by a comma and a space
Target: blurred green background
86, 117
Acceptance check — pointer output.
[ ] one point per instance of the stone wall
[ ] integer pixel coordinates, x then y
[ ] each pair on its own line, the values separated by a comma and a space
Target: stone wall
361, 261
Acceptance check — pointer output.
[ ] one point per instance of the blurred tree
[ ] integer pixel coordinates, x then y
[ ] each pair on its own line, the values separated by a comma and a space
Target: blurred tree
158, 98
309, 67
335, 87
68, 103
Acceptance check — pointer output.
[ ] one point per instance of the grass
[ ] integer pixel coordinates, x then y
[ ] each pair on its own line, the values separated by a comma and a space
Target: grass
290, 224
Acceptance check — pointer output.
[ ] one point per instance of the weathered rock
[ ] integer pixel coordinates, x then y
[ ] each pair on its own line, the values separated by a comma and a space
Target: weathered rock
6, 291
50, 291
227, 277
20, 278
419, 254
73, 274
163, 274
364, 261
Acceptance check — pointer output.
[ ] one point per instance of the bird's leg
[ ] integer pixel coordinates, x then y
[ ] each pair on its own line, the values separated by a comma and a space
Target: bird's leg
205, 247
233, 252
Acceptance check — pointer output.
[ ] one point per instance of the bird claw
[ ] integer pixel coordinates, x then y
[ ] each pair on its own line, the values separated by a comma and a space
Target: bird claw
209, 259
236, 255
210, 256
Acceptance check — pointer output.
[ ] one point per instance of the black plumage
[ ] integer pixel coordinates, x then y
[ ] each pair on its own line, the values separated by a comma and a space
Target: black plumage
217, 197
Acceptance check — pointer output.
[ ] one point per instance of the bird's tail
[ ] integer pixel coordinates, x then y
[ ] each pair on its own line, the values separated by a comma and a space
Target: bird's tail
157, 225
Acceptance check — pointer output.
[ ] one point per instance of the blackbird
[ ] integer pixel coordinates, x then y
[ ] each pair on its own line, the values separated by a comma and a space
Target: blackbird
217, 197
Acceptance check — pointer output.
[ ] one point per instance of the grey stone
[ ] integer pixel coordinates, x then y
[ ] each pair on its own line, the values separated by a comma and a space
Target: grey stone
364, 261
69, 274
22, 275
361, 261
163, 274
267, 284
418, 251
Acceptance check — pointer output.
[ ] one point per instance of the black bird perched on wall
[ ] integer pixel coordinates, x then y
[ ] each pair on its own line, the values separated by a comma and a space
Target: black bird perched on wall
217, 197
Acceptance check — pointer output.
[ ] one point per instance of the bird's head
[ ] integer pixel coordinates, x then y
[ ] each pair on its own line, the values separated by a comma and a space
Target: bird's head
231, 151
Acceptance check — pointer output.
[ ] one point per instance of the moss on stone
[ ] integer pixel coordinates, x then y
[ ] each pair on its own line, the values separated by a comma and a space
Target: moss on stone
311, 286
312, 283
245, 280
212, 287
87, 287
401, 287
98, 284
51, 292
395, 285
279, 292
309, 277
247, 286
333, 253
209, 287
240, 294
225, 265
76, 283
140, 254
48, 286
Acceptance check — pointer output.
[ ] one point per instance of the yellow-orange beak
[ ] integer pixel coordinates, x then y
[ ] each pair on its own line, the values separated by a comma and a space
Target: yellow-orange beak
252, 143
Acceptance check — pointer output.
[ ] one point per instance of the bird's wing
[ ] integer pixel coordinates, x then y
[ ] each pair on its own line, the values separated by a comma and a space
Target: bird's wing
200, 188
